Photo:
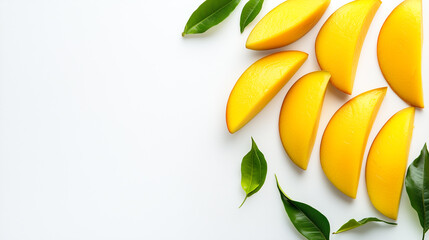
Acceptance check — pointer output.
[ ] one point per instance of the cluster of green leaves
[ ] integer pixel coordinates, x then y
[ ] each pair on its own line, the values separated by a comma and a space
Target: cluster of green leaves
311, 223
212, 12
308, 221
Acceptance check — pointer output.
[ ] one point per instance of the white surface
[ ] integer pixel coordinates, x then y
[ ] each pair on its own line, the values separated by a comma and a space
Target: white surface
112, 126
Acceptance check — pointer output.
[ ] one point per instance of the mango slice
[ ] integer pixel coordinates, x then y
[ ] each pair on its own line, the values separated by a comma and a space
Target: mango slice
340, 40
387, 162
300, 114
286, 23
259, 84
344, 141
400, 51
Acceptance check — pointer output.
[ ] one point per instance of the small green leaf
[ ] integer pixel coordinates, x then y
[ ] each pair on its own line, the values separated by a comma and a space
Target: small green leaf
312, 224
250, 11
253, 171
210, 13
417, 185
352, 223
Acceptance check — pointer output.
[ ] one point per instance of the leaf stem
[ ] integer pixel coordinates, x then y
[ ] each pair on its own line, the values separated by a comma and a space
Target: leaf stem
246, 199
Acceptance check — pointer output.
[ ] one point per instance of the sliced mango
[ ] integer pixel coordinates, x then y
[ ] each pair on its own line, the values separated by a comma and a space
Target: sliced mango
300, 114
259, 84
344, 141
340, 40
387, 162
286, 23
400, 51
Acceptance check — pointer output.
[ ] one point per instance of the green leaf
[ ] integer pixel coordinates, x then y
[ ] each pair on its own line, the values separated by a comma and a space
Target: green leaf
249, 13
417, 185
312, 224
210, 13
253, 171
352, 223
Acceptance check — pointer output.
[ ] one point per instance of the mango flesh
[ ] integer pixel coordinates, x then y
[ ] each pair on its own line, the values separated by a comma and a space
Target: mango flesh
259, 84
340, 40
387, 162
286, 23
300, 114
344, 141
400, 51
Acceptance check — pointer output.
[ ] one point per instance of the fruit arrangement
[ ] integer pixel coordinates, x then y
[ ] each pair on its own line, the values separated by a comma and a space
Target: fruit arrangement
337, 48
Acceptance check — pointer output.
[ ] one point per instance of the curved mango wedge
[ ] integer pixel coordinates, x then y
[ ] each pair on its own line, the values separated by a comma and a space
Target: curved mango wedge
344, 141
340, 40
387, 162
300, 114
286, 23
399, 51
259, 84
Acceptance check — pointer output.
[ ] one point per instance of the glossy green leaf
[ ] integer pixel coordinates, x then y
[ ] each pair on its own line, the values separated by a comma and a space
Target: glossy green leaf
351, 224
312, 224
249, 13
417, 185
210, 13
253, 171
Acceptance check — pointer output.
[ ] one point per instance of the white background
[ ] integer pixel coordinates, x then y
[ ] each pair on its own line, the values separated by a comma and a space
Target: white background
112, 126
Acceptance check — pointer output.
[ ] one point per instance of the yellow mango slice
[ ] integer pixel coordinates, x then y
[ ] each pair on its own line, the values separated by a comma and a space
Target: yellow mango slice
387, 162
286, 23
300, 114
344, 141
259, 84
400, 51
340, 41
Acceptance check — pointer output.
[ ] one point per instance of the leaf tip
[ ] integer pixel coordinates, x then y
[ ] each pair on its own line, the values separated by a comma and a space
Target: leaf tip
280, 188
254, 143
425, 151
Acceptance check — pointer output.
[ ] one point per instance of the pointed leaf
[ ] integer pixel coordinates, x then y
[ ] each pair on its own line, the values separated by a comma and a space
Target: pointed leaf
210, 13
312, 224
249, 12
417, 185
352, 223
253, 171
